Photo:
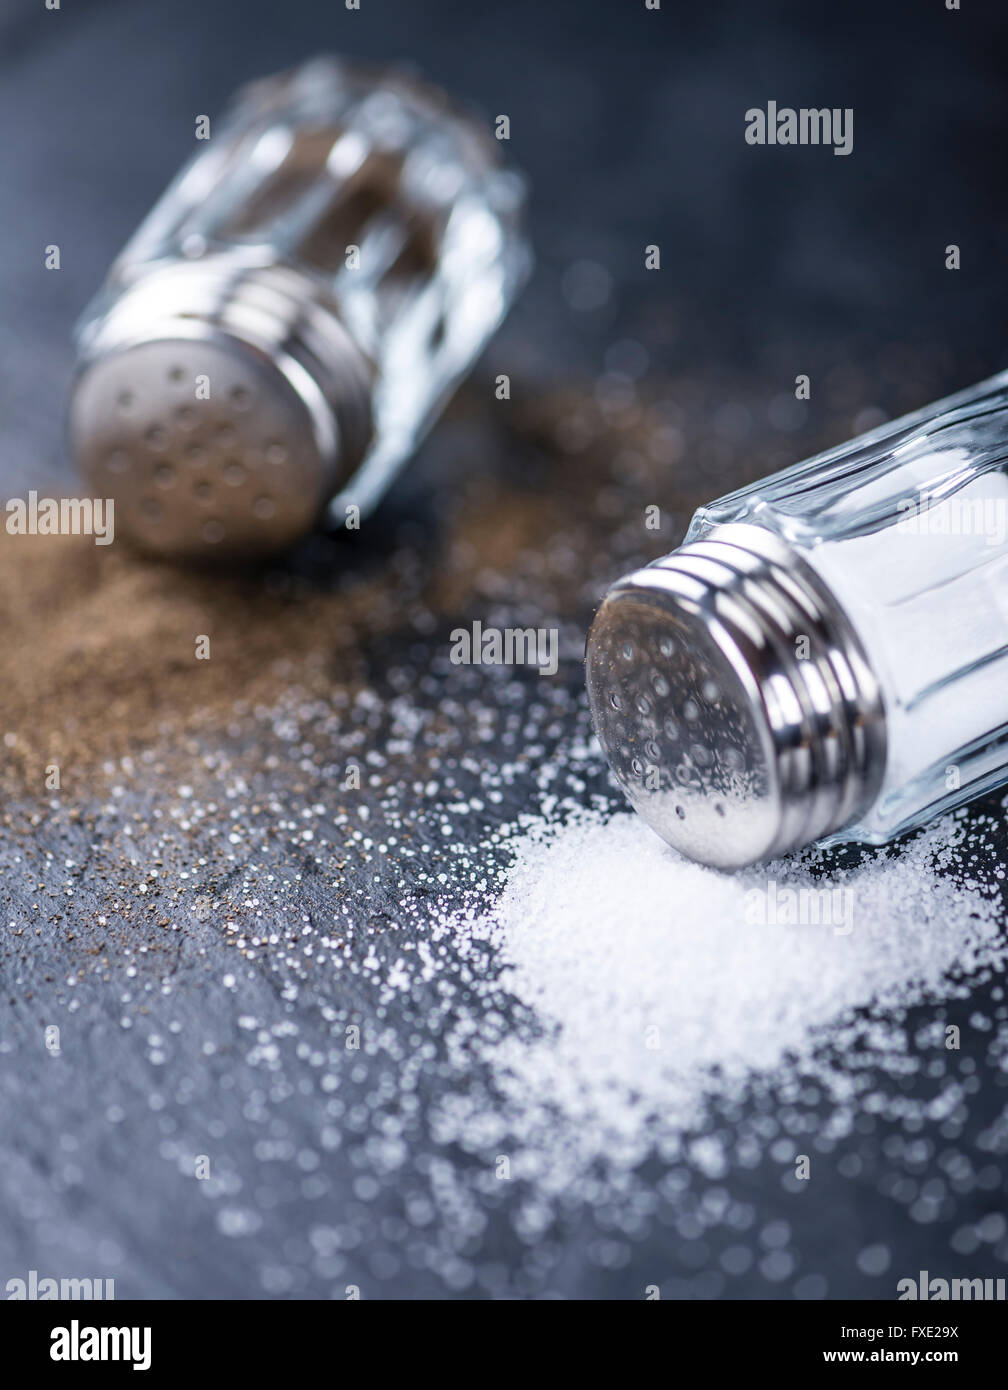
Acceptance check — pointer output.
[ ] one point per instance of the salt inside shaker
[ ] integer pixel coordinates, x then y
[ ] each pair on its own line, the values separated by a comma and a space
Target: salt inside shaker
288, 320
826, 654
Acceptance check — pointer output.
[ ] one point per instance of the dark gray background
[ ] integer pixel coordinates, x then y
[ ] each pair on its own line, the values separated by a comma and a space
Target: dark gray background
629, 124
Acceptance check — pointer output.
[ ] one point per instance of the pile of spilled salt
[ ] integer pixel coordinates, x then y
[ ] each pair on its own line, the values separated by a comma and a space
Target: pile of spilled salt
650, 987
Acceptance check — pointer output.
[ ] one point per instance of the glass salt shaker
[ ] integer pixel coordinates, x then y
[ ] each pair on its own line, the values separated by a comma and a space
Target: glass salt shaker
292, 314
826, 654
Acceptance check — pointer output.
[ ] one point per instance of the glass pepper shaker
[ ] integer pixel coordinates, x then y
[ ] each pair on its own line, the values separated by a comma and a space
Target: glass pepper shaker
826, 654
292, 314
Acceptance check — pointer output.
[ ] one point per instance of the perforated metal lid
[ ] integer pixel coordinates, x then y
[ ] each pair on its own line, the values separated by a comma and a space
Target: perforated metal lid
205, 447
733, 700
221, 404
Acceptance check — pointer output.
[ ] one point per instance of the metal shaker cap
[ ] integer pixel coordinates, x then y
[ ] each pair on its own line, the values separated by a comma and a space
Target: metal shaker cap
734, 701
221, 406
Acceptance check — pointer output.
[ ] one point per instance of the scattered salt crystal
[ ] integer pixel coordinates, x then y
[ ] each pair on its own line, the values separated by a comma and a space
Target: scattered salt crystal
649, 987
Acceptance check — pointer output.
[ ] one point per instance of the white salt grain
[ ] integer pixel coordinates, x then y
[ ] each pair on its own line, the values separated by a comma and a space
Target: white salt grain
652, 989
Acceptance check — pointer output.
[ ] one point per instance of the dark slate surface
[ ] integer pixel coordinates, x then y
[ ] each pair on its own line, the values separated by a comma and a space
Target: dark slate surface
630, 125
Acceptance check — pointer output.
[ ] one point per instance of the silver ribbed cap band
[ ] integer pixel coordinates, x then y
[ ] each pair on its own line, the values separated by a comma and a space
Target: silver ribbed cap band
221, 404
733, 699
